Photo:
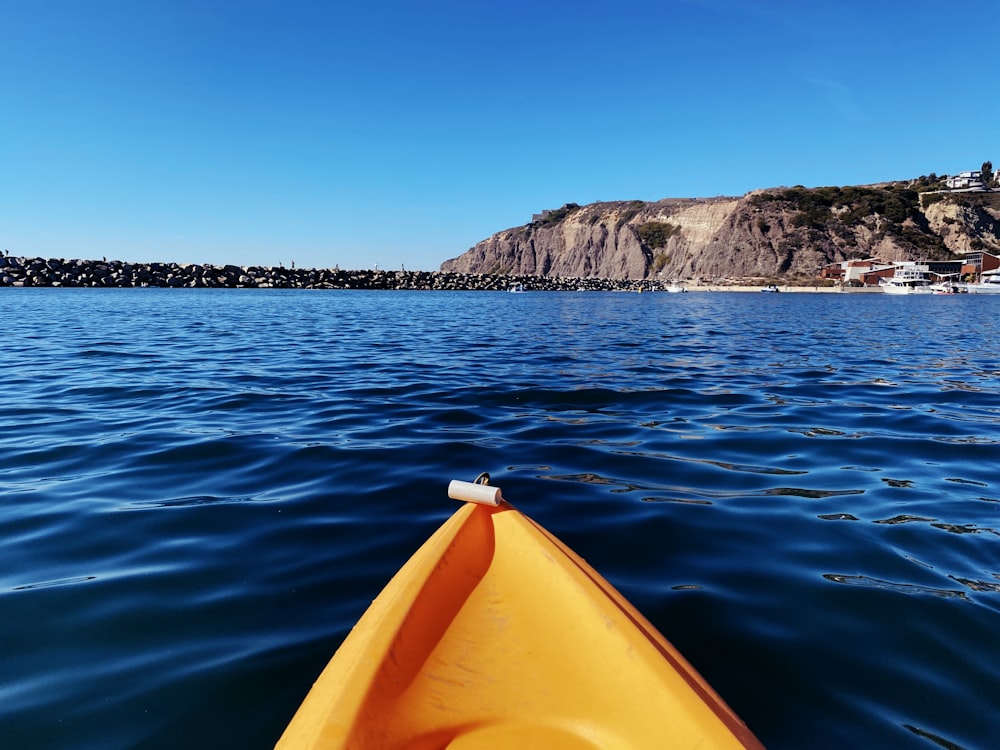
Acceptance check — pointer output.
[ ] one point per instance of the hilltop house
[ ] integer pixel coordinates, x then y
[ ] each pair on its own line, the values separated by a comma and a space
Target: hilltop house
966, 181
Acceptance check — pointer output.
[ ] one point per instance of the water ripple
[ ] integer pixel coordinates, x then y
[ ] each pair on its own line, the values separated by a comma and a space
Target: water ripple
201, 491
901, 588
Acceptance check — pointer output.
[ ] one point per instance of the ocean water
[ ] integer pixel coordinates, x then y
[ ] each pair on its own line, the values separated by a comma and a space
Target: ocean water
202, 490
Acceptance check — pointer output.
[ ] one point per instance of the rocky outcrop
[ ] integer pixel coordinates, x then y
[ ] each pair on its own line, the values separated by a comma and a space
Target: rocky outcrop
779, 233
968, 225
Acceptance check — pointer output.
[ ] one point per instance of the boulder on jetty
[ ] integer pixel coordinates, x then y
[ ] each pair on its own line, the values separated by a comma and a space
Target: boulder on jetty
42, 272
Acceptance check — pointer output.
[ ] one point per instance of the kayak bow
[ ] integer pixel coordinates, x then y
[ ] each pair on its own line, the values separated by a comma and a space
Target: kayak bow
496, 635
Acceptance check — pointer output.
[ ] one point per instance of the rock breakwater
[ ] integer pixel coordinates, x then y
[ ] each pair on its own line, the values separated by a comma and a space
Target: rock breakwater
52, 272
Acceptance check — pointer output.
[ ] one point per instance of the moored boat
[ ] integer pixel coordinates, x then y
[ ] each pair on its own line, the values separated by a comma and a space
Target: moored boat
946, 287
989, 283
496, 635
906, 281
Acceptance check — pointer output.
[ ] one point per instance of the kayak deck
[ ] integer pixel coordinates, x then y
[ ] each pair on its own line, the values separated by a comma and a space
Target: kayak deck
496, 635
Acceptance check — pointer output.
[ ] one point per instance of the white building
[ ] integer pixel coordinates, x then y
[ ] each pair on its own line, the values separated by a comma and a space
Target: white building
966, 181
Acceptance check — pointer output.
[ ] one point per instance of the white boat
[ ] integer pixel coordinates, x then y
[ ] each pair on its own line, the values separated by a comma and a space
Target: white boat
676, 288
946, 287
906, 281
948, 284
516, 288
770, 289
989, 283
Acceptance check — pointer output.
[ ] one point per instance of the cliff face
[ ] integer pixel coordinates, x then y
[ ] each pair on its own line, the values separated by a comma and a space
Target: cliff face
969, 224
768, 233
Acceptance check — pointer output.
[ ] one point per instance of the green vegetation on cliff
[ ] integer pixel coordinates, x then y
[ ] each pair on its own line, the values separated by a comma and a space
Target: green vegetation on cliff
819, 207
890, 211
655, 234
974, 200
558, 214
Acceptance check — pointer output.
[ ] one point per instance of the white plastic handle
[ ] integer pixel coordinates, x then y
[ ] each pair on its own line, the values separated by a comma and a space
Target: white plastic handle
474, 493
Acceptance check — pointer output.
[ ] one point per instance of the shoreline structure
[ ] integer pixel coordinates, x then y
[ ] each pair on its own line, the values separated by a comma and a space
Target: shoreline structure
42, 272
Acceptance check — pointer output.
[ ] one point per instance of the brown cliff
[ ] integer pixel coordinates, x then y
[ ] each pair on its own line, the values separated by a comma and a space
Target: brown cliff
781, 232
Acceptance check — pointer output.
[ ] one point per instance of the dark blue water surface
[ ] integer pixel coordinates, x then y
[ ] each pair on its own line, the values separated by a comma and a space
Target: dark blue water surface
202, 490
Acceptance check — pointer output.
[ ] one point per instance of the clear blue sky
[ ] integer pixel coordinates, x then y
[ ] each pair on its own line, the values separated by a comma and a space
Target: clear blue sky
402, 133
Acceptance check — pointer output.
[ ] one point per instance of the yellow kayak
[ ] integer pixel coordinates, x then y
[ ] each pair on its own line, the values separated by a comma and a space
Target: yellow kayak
496, 635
